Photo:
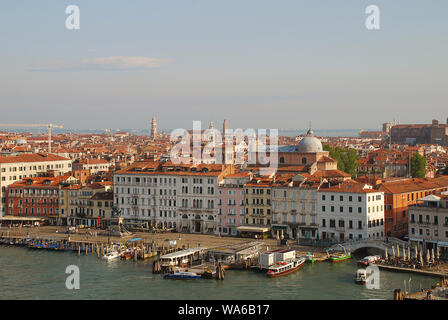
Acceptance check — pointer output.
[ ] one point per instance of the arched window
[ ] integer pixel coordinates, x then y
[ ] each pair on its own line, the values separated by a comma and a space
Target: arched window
210, 217
303, 160
184, 216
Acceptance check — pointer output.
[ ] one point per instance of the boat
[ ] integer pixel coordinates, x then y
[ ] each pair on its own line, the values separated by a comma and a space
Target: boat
364, 262
111, 255
282, 268
128, 255
361, 276
340, 257
310, 258
181, 275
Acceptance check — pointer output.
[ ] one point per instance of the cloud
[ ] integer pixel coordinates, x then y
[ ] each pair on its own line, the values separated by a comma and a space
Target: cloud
112, 63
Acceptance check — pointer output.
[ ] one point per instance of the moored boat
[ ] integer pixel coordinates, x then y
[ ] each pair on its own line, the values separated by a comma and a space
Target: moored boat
364, 262
310, 258
181, 275
111, 255
282, 268
340, 257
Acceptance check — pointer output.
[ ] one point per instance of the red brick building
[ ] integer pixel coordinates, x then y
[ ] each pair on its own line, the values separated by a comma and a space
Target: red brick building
35, 197
400, 194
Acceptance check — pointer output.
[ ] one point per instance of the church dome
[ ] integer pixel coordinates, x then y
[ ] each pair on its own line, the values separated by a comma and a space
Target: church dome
309, 144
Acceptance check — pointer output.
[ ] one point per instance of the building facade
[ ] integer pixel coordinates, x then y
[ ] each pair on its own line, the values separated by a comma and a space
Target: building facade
294, 205
13, 169
428, 224
350, 211
183, 197
231, 203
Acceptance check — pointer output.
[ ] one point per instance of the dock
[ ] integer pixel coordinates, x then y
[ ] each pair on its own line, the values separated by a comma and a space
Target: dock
437, 292
139, 249
411, 270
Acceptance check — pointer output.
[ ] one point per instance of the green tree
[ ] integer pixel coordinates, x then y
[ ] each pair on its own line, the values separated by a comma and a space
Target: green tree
348, 159
418, 166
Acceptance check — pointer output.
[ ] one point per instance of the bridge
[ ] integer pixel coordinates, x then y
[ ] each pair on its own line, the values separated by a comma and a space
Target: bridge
380, 243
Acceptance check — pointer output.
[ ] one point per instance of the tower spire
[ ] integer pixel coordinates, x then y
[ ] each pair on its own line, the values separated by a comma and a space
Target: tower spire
154, 127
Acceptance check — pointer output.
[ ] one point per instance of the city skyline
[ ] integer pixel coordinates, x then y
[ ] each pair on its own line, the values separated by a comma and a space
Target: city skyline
253, 64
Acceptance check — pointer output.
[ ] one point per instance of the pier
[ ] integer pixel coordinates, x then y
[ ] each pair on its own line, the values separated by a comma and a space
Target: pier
137, 248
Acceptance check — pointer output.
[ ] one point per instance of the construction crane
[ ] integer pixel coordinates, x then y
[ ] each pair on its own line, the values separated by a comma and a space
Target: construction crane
33, 125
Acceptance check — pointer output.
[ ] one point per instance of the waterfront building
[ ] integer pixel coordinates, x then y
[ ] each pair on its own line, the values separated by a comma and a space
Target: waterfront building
83, 205
350, 210
36, 197
257, 199
294, 205
15, 168
400, 194
428, 224
231, 202
165, 195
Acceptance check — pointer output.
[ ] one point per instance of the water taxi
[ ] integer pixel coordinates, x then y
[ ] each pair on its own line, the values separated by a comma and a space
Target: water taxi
282, 268
361, 276
181, 275
364, 262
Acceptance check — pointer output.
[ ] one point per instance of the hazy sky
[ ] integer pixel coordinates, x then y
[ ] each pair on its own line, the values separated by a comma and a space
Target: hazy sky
258, 63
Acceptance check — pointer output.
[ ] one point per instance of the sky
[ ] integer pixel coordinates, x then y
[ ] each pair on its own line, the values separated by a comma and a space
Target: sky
257, 63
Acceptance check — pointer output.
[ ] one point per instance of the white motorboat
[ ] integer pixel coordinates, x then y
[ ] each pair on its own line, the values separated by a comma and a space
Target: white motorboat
111, 255
361, 276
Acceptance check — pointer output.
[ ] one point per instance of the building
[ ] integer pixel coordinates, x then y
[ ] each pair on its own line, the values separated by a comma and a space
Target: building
400, 194
35, 197
411, 134
231, 203
294, 205
15, 168
82, 205
95, 166
154, 127
428, 224
257, 199
350, 210
164, 195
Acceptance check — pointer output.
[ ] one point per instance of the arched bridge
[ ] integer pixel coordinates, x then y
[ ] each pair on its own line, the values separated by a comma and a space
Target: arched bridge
378, 243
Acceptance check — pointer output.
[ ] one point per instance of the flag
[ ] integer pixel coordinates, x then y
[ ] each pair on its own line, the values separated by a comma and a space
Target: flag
99, 221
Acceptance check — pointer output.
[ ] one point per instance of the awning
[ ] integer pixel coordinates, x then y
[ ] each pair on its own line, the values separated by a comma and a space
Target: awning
252, 229
135, 239
279, 227
442, 244
12, 218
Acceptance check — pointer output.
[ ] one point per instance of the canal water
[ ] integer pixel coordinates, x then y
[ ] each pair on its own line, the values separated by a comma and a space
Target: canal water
35, 274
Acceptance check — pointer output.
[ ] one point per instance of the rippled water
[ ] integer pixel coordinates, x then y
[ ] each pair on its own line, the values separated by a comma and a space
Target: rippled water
34, 274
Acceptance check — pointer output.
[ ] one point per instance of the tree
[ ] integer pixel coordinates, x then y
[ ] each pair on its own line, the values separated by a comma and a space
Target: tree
418, 165
348, 159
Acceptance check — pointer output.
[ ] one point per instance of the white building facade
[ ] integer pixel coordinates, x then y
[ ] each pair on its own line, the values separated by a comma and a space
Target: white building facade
167, 197
350, 211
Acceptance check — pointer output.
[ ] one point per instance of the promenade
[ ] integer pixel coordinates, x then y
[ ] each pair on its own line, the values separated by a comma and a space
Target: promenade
160, 239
